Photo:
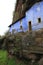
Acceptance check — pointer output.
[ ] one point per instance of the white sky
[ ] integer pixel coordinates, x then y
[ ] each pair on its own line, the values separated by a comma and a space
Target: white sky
6, 14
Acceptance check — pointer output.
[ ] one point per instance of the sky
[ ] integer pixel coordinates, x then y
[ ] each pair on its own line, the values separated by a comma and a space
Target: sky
6, 14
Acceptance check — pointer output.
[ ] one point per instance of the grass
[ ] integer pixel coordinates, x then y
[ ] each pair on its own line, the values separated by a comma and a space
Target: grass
3, 57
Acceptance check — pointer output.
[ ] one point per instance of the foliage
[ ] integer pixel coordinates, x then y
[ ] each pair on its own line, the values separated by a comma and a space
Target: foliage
3, 57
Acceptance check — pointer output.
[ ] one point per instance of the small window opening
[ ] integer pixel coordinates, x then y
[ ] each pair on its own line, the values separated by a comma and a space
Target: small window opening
39, 20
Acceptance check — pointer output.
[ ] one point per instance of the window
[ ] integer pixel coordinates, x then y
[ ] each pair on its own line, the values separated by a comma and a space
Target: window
39, 20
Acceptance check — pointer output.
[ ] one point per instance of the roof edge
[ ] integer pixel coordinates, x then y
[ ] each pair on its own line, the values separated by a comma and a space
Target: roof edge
16, 21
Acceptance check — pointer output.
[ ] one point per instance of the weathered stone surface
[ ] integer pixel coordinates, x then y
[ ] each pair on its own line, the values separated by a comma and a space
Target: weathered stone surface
41, 61
25, 43
33, 41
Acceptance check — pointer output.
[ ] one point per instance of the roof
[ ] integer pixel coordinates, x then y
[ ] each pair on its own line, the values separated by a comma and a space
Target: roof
19, 13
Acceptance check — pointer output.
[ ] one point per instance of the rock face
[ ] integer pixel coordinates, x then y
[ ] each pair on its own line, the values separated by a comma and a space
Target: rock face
18, 13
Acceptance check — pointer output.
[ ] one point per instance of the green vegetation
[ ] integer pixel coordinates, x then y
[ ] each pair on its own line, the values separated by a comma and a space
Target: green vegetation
3, 57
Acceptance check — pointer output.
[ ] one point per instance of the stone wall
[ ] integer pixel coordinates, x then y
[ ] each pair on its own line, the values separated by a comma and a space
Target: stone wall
26, 43
32, 42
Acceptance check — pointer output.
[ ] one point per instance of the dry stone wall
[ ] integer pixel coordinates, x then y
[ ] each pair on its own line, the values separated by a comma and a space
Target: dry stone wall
24, 42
